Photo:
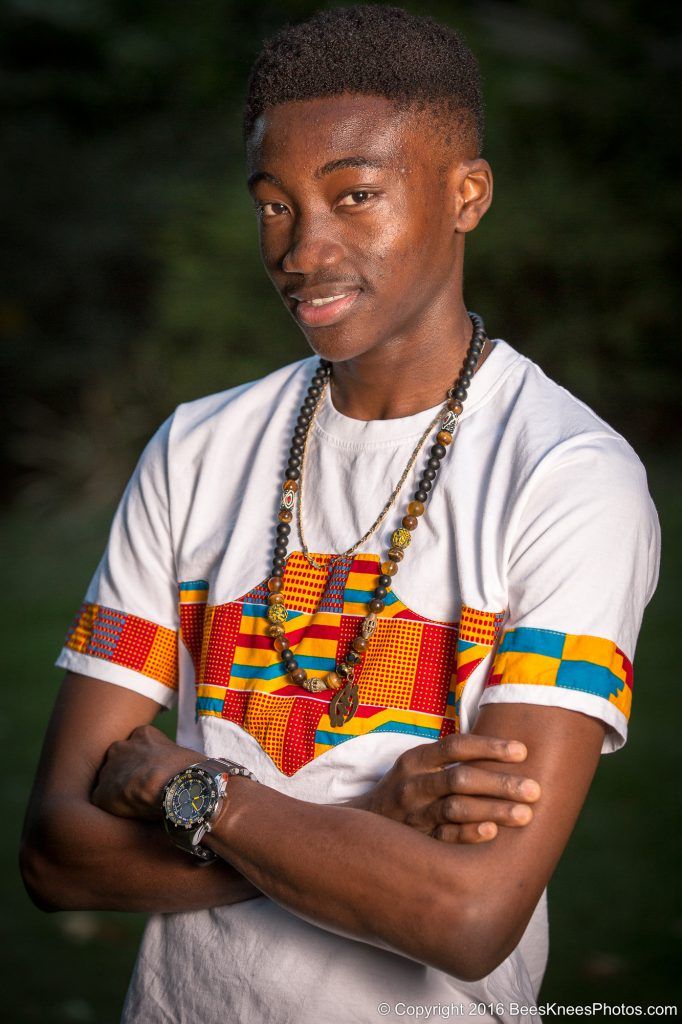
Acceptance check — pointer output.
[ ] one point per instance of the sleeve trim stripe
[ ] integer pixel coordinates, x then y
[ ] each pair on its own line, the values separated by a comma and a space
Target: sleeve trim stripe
543, 657
126, 640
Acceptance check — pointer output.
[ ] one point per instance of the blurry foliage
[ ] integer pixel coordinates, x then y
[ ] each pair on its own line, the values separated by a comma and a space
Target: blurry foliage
133, 280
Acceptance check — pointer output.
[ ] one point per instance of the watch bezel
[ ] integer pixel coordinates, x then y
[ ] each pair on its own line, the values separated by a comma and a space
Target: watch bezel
182, 778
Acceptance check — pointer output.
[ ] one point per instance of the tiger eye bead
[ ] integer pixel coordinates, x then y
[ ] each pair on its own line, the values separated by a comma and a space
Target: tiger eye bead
275, 599
290, 485
281, 644
396, 554
298, 676
275, 584
389, 568
444, 437
333, 681
284, 515
360, 644
454, 405
415, 508
410, 522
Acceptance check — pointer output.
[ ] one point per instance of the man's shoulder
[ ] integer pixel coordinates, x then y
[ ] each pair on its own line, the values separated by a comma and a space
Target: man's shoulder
241, 406
550, 423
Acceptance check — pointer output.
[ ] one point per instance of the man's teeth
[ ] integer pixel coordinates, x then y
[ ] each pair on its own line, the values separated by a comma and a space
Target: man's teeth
323, 302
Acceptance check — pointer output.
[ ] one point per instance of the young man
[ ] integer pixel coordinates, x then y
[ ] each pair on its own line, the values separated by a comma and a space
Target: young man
500, 595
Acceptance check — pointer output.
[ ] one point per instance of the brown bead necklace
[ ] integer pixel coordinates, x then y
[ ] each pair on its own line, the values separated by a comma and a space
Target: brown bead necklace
341, 681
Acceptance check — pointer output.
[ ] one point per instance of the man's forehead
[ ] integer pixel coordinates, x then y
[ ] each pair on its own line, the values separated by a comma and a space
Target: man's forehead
331, 133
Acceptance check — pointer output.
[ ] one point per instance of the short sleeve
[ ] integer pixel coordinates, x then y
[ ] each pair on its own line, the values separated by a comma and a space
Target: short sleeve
126, 630
582, 563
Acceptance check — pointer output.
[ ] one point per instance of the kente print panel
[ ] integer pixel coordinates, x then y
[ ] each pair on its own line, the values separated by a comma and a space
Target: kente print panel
410, 681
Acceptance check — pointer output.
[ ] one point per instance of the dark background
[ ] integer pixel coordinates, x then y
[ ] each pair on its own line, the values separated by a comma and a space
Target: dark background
132, 282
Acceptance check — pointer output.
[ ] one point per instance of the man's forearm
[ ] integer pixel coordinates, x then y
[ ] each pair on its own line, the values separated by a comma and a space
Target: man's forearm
351, 872
79, 857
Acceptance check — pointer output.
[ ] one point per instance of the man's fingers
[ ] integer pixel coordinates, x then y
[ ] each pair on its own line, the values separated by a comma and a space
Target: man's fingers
466, 746
469, 781
466, 834
464, 809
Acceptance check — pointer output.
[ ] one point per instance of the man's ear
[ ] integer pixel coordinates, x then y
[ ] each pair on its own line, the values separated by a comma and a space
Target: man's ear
470, 185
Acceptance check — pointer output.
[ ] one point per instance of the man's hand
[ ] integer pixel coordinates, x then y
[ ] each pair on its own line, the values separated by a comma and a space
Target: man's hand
134, 772
454, 802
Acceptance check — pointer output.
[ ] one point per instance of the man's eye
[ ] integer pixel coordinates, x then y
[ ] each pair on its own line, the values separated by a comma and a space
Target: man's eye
268, 210
358, 198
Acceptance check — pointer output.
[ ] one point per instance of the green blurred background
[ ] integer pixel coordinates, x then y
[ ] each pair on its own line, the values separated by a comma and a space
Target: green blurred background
133, 283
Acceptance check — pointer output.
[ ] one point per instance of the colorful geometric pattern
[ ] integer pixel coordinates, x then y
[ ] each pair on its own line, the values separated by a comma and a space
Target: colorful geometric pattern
410, 680
126, 640
543, 657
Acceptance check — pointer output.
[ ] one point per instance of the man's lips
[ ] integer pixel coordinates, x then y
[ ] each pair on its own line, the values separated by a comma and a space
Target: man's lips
323, 309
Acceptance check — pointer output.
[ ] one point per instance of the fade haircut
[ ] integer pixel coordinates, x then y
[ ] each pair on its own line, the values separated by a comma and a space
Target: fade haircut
413, 61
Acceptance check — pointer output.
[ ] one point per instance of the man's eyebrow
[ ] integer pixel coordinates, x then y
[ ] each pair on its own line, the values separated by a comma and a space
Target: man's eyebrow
262, 176
321, 172
347, 161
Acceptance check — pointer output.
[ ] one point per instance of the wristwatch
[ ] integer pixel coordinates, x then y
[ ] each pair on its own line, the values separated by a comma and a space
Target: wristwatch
192, 799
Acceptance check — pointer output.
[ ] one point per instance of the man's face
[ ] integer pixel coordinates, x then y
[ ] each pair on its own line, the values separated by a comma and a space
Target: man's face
353, 208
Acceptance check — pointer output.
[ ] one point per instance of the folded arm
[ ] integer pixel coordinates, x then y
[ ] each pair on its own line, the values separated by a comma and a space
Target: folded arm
461, 909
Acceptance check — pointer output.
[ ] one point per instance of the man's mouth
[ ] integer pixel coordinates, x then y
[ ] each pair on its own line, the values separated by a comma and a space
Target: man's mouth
324, 309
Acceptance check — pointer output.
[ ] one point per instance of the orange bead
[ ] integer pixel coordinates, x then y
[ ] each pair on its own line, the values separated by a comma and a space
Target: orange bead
416, 508
410, 522
281, 644
444, 437
396, 555
275, 584
360, 644
275, 599
284, 516
290, 485
389, 568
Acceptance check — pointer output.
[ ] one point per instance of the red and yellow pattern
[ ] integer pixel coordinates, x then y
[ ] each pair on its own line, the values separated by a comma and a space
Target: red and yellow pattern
126, 640
410, 680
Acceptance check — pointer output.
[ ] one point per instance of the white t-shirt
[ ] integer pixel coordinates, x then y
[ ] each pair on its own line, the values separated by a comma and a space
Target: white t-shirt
526, 580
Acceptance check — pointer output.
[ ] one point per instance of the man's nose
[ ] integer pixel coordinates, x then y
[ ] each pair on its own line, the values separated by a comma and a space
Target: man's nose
313, 247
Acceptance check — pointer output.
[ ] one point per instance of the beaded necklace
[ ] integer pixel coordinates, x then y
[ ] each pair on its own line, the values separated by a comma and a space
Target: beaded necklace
341, 681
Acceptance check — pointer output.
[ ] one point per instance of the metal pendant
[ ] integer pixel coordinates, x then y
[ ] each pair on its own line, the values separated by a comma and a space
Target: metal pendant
343, 705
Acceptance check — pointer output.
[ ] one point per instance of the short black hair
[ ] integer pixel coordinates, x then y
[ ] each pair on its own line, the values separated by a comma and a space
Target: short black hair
412, 60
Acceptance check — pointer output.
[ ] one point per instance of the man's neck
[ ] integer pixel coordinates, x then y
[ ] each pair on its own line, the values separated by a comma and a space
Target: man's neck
402, 377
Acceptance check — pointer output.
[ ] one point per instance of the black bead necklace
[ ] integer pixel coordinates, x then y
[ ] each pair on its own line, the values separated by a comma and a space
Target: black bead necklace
342, 682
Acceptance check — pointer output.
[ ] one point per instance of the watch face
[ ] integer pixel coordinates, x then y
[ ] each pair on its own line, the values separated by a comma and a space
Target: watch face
189, 798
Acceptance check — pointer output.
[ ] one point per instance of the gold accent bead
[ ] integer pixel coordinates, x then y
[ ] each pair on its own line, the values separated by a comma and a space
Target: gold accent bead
274, 630
444, 437
275, 599
396, 554
388, 568
416, 508
277, 613
369, 624
400, 538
